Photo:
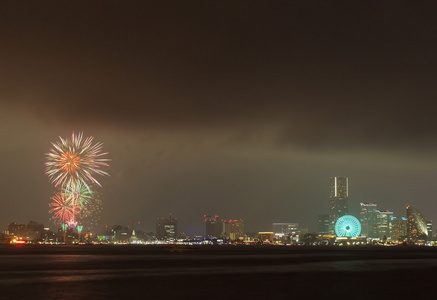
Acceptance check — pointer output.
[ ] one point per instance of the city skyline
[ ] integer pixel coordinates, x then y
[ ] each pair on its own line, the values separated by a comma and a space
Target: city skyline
373, 227
374, 222
235, 109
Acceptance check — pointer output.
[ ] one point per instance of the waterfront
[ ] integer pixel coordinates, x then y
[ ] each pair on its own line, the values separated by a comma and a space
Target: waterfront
232, 272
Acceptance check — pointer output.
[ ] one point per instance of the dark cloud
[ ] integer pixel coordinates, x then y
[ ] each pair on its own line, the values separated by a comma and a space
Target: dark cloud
211, 63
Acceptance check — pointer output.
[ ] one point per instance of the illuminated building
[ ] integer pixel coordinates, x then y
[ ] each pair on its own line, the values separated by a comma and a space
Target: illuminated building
323, 224
287, 232
233, 229
16, 229
383, 224
285, 228
35, 231
399, 228
368, 218
213, 226
338, 200
429, 228
121, 233
166, 228
375, 224
266, 237
417, 231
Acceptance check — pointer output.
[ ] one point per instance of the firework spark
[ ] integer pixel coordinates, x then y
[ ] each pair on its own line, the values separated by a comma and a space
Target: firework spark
80, 194
72, 166
75, 160
90, 216
63, 209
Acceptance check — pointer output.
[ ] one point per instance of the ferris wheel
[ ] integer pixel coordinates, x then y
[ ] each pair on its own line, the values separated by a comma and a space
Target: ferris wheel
347, 226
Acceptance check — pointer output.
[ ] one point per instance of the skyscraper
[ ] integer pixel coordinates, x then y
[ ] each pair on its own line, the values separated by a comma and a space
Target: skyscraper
233, 229
213, 227
417, 231
368, 216
429, 227
323, 224
399, 228
166, 228
383, 224
338, 200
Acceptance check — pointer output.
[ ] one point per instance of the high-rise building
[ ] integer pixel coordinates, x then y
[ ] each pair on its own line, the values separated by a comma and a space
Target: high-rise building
375, 224
429, 228
233, 229
323, 224
35, 231
213, 226
338, 200
417, 231
16, 229
368, 214
166, 228
399, 228
383, 224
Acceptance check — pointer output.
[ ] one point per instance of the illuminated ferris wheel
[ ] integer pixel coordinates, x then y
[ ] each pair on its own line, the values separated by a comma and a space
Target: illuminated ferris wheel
347, 226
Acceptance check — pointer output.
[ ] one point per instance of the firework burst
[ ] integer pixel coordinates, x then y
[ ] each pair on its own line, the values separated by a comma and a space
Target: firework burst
72, 166
79, 193
63, 209
75, 160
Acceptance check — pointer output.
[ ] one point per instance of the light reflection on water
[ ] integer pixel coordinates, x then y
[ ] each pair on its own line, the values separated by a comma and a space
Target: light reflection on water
19, 269
145, 273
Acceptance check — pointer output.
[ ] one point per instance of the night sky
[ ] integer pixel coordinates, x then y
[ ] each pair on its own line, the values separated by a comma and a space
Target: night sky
238, 108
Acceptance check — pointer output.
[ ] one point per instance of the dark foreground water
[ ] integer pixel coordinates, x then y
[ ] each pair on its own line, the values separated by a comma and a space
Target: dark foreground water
216, 272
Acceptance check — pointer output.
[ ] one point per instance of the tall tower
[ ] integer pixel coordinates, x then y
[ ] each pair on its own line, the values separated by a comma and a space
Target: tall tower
338, 200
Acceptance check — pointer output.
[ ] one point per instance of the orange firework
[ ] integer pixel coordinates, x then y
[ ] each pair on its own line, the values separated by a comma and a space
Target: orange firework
75, 160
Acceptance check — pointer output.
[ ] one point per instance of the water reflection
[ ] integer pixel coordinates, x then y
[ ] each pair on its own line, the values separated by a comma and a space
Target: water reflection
75, 276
